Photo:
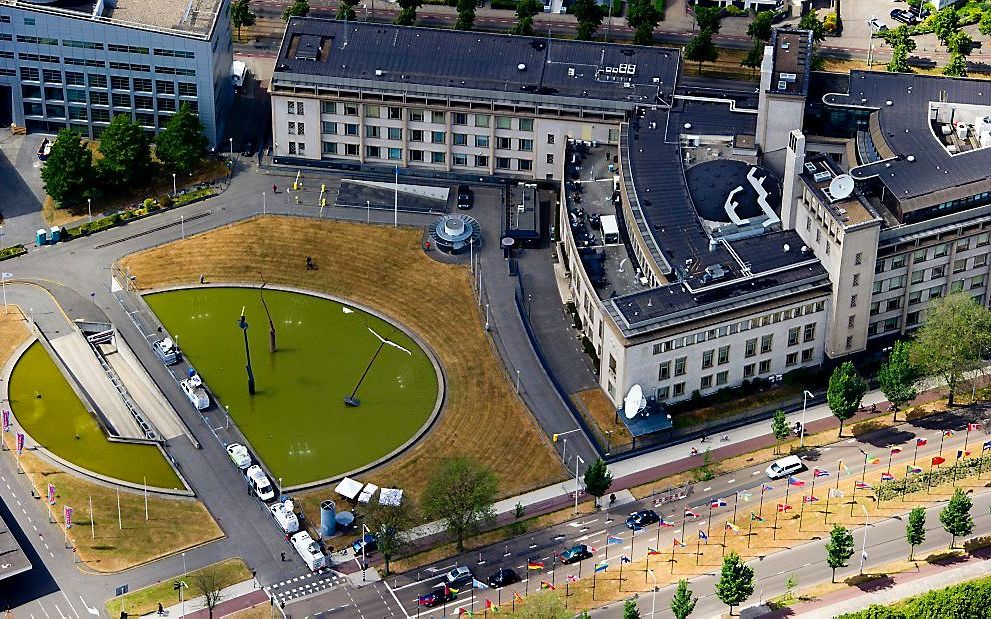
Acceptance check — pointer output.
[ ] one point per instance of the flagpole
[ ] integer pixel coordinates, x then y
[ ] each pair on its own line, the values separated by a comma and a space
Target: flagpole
812, 493
674, 544
774, 533
698, 550
146, 497
120, 522
657, 544
633, 538
916, 454
891, 454
594, 572
621, 571
708, 524
760, 508
554, 565
92, 530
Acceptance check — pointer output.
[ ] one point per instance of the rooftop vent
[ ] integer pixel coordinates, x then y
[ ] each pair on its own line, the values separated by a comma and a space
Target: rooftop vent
521, 67
714, 272
910, 158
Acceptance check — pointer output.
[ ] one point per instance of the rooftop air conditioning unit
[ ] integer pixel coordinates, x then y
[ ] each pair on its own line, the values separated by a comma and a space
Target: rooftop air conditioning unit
822, 176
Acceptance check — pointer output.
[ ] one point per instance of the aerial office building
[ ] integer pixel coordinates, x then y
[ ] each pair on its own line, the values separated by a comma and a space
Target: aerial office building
78, 63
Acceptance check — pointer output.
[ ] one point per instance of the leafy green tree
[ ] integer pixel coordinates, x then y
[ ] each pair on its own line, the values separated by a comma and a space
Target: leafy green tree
901, 36
390, 524
466, 15
643, 17
126, 152
181, 145
683, 604
68, 172
875, 611
461, 492
945, 23
960, 43
736, 581
899, 60
956, 66
839, 548
589, 16
897, 376
346, 10
952, 341
915, 4
597, 479
846, 390
791, 583
708, 18
701, 48
296, 8
915, 529
779, 428
754, 57
630, 609
241, 15
760, 28
407, 12
984, 27
811, 21
956, 516
525, 12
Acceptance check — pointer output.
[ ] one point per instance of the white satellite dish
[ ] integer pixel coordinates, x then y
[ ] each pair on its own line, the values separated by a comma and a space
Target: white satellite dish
841, 186
634, 402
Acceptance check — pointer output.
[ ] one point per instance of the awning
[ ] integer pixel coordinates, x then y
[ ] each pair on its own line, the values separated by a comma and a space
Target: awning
366, 494
348, 488
391, 496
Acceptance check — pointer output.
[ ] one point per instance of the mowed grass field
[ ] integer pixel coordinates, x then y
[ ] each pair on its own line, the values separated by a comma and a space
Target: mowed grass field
383, 268
297, 421
51, 413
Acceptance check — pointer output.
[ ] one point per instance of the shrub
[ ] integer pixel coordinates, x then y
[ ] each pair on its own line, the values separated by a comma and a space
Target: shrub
504, 4
193, 196
166, 201
12, 252
734, 11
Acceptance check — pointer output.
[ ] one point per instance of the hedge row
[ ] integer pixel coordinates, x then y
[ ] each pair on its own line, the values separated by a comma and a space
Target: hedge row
963, 601
12, 252
960, 469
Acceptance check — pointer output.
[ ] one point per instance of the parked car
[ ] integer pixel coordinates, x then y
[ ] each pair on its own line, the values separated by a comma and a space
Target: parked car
643, 518
784, 467
459, 577
876, 25
505, 576
239, 455
576, 553
259, 483
906, 17
465, 197
366, 542
437, 596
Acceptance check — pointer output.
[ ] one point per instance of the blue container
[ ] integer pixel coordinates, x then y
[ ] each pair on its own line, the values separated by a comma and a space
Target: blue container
56, 234
328, 518
41, 237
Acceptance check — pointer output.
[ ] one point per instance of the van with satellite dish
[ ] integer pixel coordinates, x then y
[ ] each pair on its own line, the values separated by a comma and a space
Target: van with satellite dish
239, 71
309, 550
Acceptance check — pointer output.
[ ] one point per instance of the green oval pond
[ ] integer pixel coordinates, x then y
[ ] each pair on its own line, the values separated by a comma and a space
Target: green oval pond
297, 422
58, 422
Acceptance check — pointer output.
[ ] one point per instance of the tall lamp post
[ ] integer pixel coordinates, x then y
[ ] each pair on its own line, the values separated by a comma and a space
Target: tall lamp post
243, 324
805, 401
863, 549
577, 460
351, 400
271, 325
564, 449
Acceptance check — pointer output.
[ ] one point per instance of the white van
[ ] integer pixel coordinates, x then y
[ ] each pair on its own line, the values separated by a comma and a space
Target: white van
309, 550
784, 467
259, 483
239, 71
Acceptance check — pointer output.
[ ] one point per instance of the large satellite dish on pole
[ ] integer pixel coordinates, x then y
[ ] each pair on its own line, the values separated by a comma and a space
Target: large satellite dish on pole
841, 187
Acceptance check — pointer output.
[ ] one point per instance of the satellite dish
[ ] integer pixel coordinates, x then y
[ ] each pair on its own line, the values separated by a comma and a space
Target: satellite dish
841, 186
634, 402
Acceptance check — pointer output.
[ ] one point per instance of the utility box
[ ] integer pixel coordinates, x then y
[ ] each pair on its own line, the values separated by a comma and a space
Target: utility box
56, 234
41, 237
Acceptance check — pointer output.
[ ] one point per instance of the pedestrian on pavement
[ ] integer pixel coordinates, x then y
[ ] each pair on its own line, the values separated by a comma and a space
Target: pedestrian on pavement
161, 611
274, 190
283, 557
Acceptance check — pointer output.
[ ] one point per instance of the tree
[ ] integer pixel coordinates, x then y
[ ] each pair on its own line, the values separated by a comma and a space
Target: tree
960, 43
683, 604
897, 376
346, 10
642, 16
407, 12
241, 15
543, 605
760, 28
839, 548
791, 583
846, 390
945, 23
68, 172
296, 8
754, 57
915, 529
589, 16
736, 581
125, 150
708, 18
902, 44
597, 479
701, 48
466, 15
899, 60
208, 582
390, 525
630, 609
876, 611
956, 66
956, 516
984, 27
811, 21
461, 492
779, 428
181, 145
952, 341
525, 11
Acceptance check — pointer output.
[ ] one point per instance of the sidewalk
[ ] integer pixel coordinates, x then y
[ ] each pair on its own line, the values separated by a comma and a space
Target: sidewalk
232, 599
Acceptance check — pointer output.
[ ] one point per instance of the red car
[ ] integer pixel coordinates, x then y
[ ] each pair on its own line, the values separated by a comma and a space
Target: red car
438, 596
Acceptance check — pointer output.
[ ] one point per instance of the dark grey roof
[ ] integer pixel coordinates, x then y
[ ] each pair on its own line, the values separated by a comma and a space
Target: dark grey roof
711, 183
395, 55
792, 61
13, 560
709, 118
905, 128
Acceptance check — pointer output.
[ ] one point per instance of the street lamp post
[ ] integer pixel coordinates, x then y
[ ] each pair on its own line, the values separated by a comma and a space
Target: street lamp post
243, 324
175, 190
863, 549
232, 148
564, 451
182, 585
577, 460
805, 401
653, 595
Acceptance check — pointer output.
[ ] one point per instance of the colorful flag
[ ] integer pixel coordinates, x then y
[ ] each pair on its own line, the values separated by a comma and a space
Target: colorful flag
746, 496
912, 470
546, 585
937, 460
766, 487
987, 446
810, 499
517, 597
51, 494
573, 577
718, 503
68, 517
896, 450
625, 559
732, 527
961, 453
20, 443
612, 539
690, 514
836, 492
464, 612
973, 427
6, 420
534, 565
703, 535
491, 607
755, 518
678, 543
873, 460
820, 473
794, 481
652, 552
947, 432
859, 485
421, 600
887, 477
601, 566
453, 590
919, 442
783, 507
844, 467
664, 523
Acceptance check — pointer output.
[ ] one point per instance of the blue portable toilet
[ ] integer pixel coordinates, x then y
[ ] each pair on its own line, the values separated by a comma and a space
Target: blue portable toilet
56, 234
41, 237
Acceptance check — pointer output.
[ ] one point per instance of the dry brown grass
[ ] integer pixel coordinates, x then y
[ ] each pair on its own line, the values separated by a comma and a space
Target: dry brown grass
383, 268
146, 600
603, 413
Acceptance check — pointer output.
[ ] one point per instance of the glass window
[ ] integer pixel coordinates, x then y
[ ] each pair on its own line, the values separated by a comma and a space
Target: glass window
459, 159
793, 336
438, 157
416, 135
664, 371
919, 255
663, 392
504, 143
526, 145
328, 107
482, 141
960, 265
749, 370
896, 282
96, 81
395, 133
897, 262
807, 354
791, 358
481, 161
941, 250
415, 155
372, 111
764, 366
416, 115
504, 122
766, 342
679, 389
722, 377
525, 165
459, 118
707, 357
371, 131
918, 276
120, 83
373, 152
143, 102
438, 137
121, 100
751, 347
459, 139
436, 116
328, 127
481, 120
163, 87
503, 163
526, 124
187, 89
680, 365
350, 109
982, 239
351, 150
706, 382
350, 129
395, 113
330, 148
723, 355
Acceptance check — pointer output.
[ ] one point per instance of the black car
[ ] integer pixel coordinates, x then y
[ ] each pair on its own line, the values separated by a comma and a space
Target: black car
438, 595
643, 518
505, 576
465, 198
575, 554
366, 542
906, 17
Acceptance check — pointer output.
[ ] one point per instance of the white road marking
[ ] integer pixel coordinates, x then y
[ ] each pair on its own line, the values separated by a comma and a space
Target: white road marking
730, 481
70, 604
707, 489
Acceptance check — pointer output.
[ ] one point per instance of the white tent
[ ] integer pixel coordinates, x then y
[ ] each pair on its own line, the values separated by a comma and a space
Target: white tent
348, 488
391, 496
366, 494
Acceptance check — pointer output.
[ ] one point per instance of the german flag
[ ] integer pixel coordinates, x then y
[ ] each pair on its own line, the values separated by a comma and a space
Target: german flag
546, 585
534, 565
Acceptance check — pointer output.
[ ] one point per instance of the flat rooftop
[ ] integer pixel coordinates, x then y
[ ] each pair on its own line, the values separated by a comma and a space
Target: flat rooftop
504, 66
850, 210
12, 558
792, 61
913, 163
195, 17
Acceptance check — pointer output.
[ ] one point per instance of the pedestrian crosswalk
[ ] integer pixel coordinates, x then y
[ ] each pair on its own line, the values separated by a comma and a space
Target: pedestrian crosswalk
301, 586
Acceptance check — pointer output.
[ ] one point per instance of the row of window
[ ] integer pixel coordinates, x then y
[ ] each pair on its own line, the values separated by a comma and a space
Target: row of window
919, 276
419, 135
56, 93
422, 156
59, 112
938, 251
746, 325
54, 76
110, 47
418, 115
750, 370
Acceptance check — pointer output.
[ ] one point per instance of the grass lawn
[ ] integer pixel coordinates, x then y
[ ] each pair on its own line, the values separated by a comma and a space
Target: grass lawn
58, 421
721, 410
172, 525
603, 413
386, 269
297, 421
143, 601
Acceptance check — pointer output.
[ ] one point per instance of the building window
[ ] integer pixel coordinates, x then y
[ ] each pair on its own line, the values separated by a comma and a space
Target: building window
956, 286
941, 250
749, 370
849, 342
526, 145
960, 265
350, 109
481, 120
896, 283
853, 300
502, 163
810, 332
915, 297
373, 152
664, 371
481, 161
292, 148
912, 318
898, 262
879, 267
550, 138
290, 107
415, 155
459, 139
892, 323
329, 127
526, 124
351, 150
856, 279
679, 389
328, 107
976, 282
438, 137
963, 244
858, 258
504, 143
764, 366
350, 129
935, 292
893, 304
722, 377
679, 366
459, 159
663, 392
372, 111
550, 158
372, 131
983, 239
395, 133
851, 321
395, 113
766, 341
300, 129
918, 276
438, 157
416, 115
791, 358
459, 118
939, 271
919, 256
416, 135
504, 122
395, 154
807, 355
437, 117
482, 141
292, 128
793, 336
723, 356
980, 261
751, 348
330, 148
119, 83
707, 357
706, 382
524, 165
